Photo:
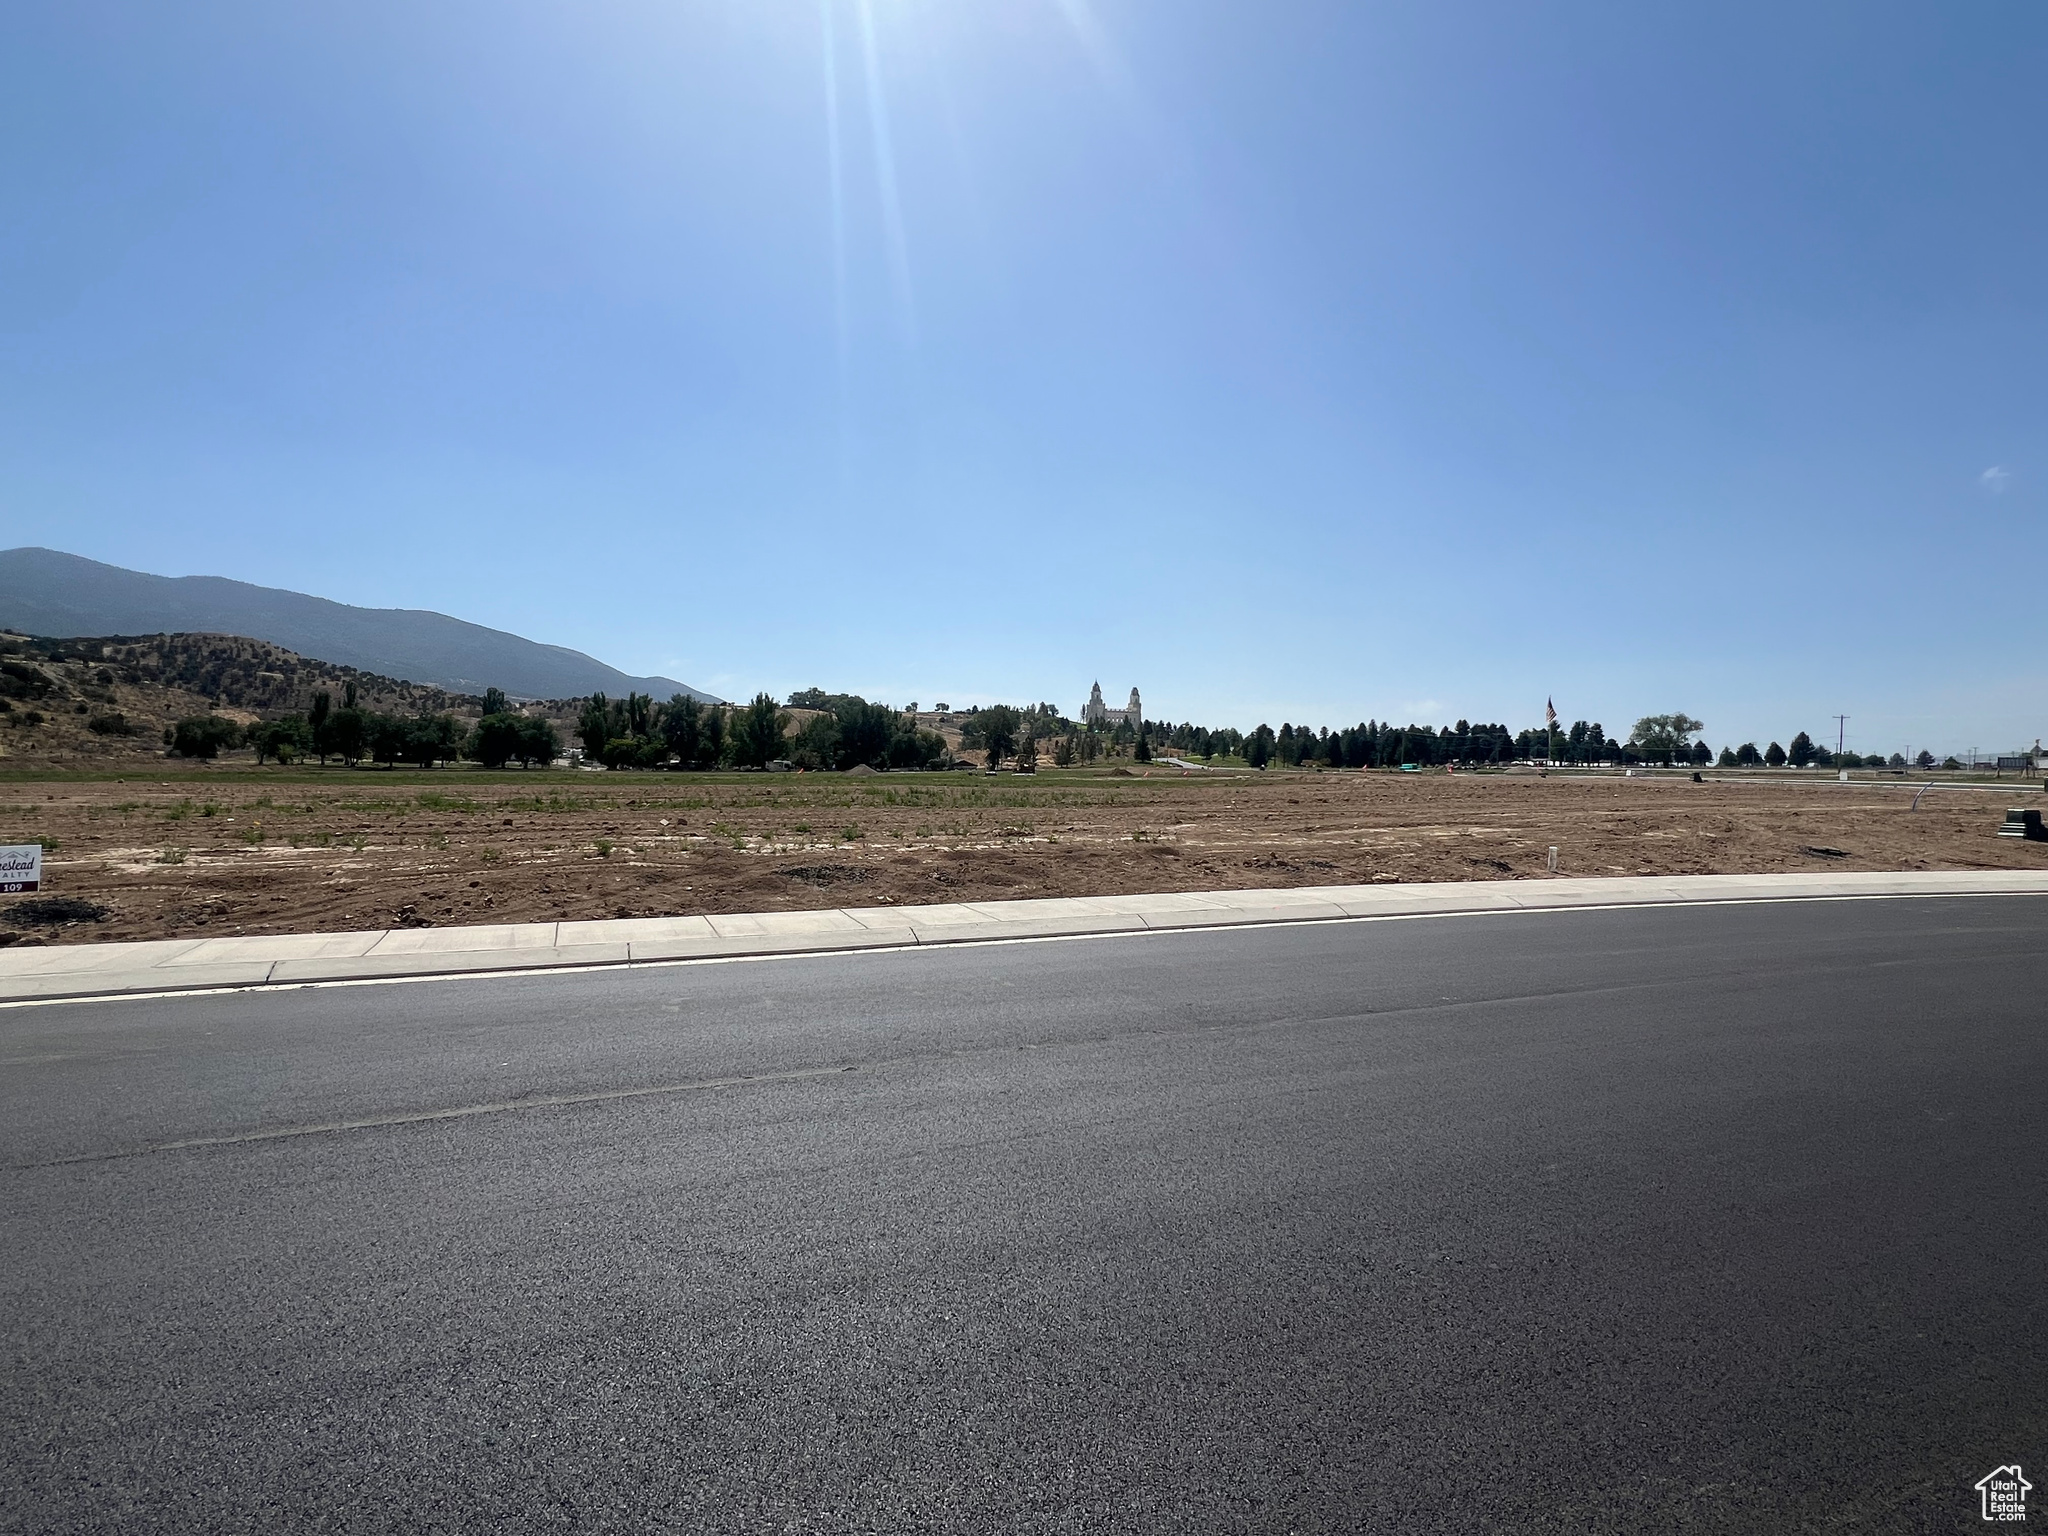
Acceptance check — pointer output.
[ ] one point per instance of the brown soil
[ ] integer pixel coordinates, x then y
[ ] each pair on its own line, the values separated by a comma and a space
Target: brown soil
231, 850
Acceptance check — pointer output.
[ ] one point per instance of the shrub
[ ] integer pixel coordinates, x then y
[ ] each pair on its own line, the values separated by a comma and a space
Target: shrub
116, 724
21, 681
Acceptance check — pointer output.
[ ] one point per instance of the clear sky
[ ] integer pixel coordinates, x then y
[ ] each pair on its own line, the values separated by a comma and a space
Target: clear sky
1291, 361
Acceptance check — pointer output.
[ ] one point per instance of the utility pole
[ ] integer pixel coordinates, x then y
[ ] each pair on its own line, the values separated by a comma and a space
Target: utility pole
1841, 733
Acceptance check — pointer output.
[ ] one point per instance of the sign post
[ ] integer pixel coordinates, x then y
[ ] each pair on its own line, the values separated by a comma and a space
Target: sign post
21, 869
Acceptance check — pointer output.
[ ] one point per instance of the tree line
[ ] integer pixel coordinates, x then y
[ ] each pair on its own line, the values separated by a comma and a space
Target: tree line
845, 731
685, 733
352, 734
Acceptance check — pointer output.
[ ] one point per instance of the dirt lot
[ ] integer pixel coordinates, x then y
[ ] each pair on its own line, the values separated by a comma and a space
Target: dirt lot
233, 850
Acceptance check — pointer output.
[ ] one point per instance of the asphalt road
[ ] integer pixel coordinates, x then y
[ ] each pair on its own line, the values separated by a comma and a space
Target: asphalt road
1675, 1220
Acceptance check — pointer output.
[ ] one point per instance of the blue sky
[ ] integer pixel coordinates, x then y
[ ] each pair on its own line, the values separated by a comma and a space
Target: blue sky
1291, 361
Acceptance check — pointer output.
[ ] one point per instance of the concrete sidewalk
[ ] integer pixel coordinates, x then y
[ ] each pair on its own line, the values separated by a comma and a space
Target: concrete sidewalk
48, 973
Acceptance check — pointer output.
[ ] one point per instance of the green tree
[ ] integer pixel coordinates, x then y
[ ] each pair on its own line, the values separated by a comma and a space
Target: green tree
384, 738
1747, 756
712, 745
594, 725
346, 734
1802, 752
1663, 738
431, 739
817, 744
998, 725
757, 733
495, 702
205, 736
284, 739
316, 723
682, 727
864, 732
539, 742
1258, 747
497, 739
1774, 755
639, 715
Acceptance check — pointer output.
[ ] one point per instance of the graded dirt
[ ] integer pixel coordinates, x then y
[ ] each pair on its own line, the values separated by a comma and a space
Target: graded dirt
225, 850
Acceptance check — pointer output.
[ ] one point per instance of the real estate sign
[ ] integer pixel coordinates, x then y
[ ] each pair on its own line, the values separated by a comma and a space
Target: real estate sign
21, 869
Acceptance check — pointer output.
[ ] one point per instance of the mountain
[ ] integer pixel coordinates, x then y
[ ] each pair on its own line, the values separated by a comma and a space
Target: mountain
47, 592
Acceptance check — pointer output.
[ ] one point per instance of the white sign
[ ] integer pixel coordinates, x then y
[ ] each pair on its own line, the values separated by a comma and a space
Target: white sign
21, 869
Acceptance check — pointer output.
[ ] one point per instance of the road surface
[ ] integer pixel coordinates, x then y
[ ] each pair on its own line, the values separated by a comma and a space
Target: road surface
1688, 1220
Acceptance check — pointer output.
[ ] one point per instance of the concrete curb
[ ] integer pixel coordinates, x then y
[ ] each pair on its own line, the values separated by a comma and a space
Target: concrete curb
56, 973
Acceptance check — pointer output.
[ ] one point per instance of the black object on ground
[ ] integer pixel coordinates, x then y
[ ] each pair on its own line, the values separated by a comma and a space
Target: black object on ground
55, 912
829, 874
2024, 823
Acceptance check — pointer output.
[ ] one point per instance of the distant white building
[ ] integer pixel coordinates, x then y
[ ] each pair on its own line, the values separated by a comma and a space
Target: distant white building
1095, 712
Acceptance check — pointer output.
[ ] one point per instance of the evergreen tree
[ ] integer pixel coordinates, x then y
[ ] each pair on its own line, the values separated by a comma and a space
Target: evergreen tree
1774, 755
1258, 747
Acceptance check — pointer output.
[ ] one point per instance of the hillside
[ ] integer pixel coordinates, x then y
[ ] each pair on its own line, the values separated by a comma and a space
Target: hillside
100, 700
49, 593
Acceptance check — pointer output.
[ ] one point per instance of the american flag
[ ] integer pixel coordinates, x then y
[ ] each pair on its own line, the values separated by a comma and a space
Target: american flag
1550, 713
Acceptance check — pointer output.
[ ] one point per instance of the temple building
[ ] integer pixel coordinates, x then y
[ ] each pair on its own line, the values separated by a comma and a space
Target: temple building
1095, 712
